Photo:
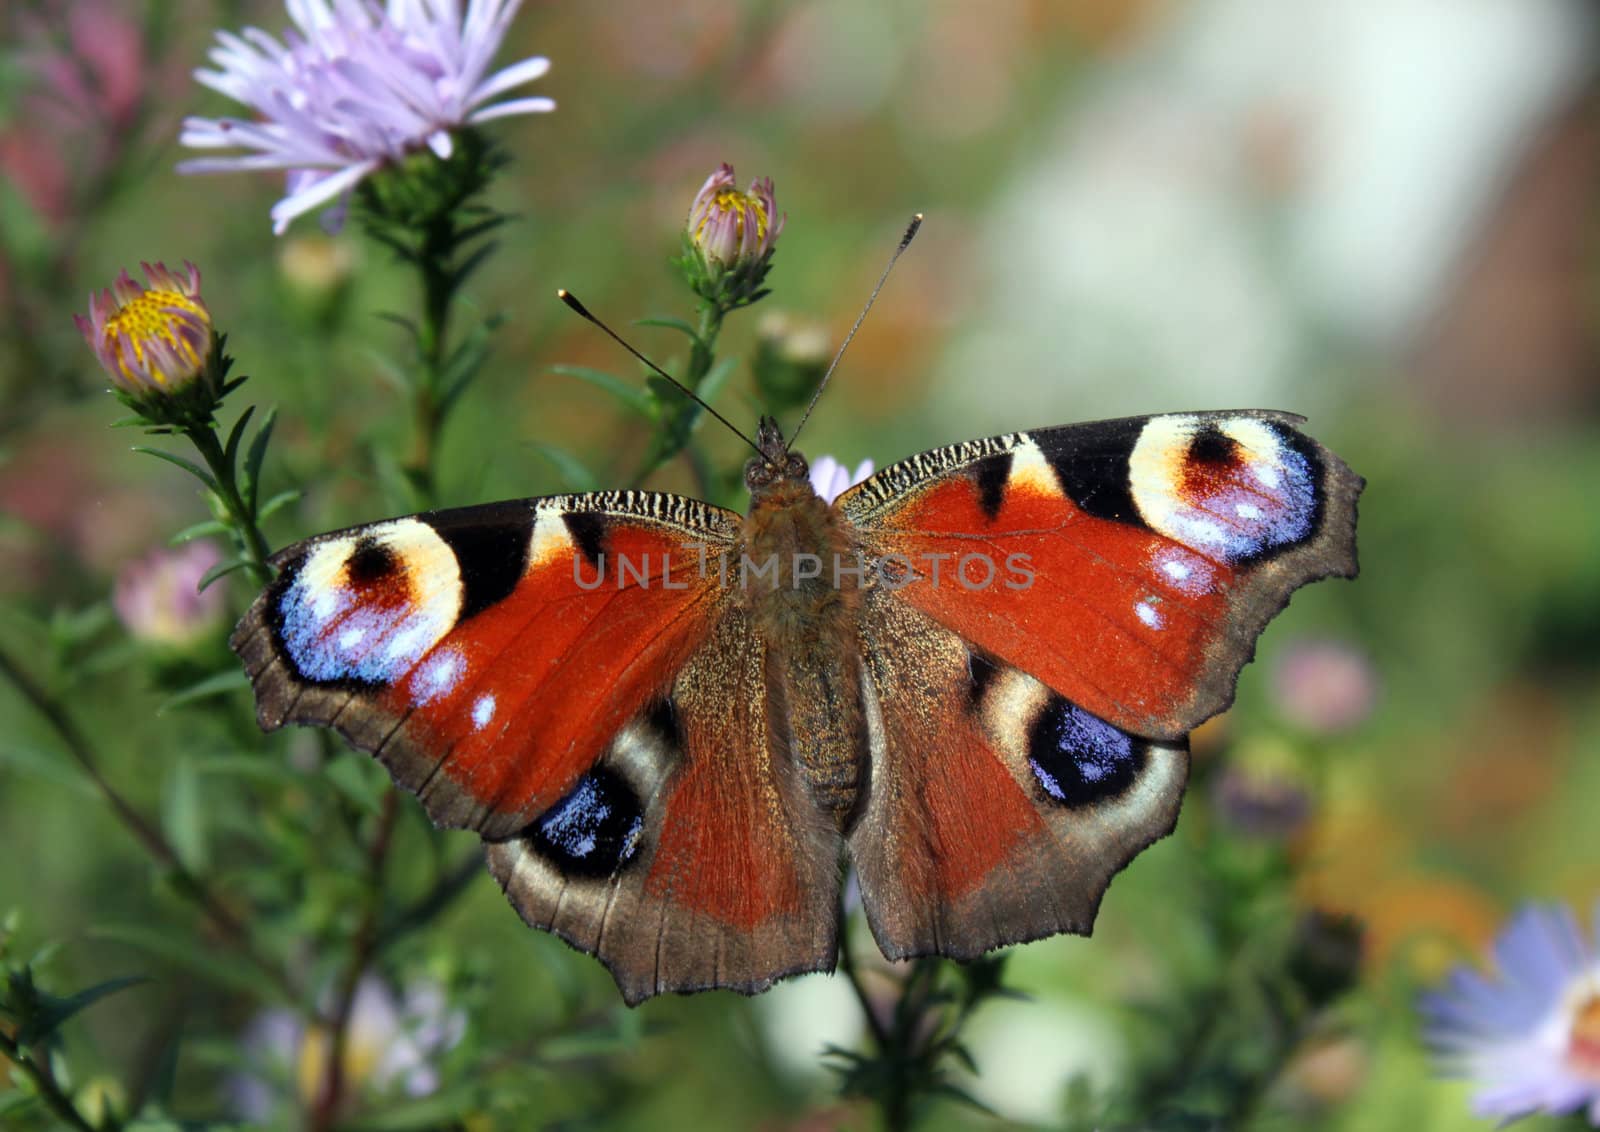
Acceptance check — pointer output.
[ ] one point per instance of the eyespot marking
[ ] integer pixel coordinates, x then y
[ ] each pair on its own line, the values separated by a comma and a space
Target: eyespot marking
1232, 489
368, 607
1079, 759
595, 830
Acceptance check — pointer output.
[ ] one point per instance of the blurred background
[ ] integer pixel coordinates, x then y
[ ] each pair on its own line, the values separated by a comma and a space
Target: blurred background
1381, 214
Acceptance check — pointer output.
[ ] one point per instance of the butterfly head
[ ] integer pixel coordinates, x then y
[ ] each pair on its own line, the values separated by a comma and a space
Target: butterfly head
776, 466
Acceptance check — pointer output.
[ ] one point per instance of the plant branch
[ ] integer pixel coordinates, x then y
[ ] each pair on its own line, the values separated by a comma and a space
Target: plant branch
45, 1082
430, 905
363, 946
241, 514
187, 884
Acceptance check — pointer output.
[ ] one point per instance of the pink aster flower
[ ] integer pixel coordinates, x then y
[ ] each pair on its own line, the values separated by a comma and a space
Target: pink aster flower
831, 479
153, 340
1529, 1036
355, 85
731, 228
159, 600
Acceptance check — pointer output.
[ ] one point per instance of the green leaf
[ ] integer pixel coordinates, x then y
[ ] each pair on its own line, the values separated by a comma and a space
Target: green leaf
400, 320
266, 770
471, 264
473, 231
53, 1012
254, 459
573, 472
219, 571
630, 396
230, 451
354, 780
393, 373
218, 683
278, 502
716, 380
671, 324
183, 815
47, 768
13, 1103
199, 530
187, 465
443, 1109
211, 962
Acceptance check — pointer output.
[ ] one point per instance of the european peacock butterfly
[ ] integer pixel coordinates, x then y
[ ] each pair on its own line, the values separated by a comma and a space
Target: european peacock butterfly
973, 675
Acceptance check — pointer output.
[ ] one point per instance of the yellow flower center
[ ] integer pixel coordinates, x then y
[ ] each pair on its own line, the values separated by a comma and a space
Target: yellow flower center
361, 1057
734, 201
1583, 1047
147, 318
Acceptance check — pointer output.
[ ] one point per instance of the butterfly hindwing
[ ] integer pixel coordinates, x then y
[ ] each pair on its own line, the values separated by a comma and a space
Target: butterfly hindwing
1128, 564
486, 655
691, 856
999, 811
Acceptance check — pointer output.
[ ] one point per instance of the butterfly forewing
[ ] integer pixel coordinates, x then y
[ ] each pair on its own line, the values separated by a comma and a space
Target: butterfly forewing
486, 655
1129, 564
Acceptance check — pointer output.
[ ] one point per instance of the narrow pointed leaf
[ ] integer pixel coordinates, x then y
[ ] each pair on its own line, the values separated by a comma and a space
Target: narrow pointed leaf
630, 396
56, 1011
187, 465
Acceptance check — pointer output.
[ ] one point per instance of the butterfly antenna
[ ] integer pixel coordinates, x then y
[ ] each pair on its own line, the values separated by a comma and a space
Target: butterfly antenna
905, 242
571, 300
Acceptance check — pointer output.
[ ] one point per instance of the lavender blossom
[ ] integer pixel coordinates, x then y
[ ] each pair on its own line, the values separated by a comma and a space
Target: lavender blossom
1529, 1037
355, 86
830, 479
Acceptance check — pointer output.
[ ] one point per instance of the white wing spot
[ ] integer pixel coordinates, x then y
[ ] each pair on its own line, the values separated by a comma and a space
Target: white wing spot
483, 711
1247, 510
1149, 614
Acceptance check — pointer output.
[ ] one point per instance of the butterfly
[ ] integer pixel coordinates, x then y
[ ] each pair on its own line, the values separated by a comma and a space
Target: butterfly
972, 676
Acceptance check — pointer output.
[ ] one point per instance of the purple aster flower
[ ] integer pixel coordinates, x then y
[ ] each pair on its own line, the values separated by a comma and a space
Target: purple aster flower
393, 1045
353, 86
1529, 1037
159, 600
1325, 686
830, 479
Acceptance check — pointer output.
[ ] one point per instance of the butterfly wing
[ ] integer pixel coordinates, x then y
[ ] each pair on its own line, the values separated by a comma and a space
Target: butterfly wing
719, 871
1129, 565
999, 811
1028, 707
566, 677
484, 655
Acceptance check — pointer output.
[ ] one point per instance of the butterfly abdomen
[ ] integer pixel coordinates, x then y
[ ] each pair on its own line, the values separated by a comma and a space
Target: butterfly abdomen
806, 616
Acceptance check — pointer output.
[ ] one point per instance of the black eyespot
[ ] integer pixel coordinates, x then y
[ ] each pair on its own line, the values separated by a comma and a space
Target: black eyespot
370, 561
1213, 446
1079, 759
594, 831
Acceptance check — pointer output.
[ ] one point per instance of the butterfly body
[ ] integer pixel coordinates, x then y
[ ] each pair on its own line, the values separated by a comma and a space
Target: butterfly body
971, 677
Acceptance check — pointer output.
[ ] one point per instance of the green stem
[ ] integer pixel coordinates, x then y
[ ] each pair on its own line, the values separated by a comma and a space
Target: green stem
702, 356
45, 1082
433, 261
241, 515
185, 882
363, 946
